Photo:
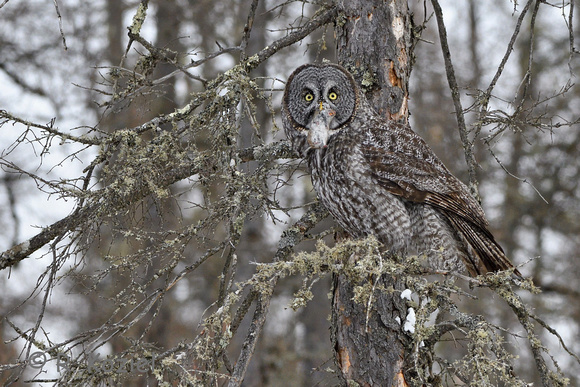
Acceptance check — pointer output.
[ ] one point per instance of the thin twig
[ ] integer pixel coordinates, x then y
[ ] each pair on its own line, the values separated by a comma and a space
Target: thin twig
555, 333
485, 98
570, 25
50, 129
507, 54
527, 80
59, 23
523, 180
248, 29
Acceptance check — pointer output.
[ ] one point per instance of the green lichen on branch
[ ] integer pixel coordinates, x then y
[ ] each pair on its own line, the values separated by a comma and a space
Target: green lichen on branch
174, 193
139, 18
487, 356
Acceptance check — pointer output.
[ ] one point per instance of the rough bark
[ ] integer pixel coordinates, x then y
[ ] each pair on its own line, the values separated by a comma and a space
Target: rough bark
375, 44
368, 340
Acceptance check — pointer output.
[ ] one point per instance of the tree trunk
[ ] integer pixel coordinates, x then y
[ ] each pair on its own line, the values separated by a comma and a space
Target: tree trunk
375, 44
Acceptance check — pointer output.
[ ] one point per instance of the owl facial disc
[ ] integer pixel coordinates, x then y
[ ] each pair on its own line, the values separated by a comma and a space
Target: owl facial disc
320, 126
319, 101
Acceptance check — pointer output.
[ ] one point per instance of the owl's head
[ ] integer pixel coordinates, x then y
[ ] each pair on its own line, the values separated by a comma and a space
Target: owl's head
318, 100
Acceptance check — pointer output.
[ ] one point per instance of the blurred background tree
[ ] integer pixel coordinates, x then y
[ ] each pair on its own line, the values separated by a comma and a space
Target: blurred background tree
143, 164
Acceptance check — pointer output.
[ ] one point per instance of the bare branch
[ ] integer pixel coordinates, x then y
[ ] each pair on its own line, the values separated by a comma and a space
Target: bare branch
467, 144
60, 24
509, 50
316, 22
248, 28
50, 129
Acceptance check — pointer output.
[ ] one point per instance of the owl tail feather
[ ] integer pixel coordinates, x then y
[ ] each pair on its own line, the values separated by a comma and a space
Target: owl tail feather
490, 257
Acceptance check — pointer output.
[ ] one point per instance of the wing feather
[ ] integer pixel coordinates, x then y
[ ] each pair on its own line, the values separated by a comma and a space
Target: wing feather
424, 181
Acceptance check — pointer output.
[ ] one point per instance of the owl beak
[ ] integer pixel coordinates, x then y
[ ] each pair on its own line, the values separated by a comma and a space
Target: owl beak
319, 128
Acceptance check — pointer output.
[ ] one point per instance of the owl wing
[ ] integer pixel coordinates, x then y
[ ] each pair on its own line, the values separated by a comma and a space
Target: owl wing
420, 181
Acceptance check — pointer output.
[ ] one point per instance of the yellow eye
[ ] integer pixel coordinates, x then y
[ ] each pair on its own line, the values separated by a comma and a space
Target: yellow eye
308, 97
332, 96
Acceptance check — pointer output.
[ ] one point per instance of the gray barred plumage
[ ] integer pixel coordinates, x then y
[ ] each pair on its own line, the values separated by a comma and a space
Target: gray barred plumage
378, 177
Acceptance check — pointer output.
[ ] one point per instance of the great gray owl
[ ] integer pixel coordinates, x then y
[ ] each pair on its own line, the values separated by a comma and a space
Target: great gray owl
377, 177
